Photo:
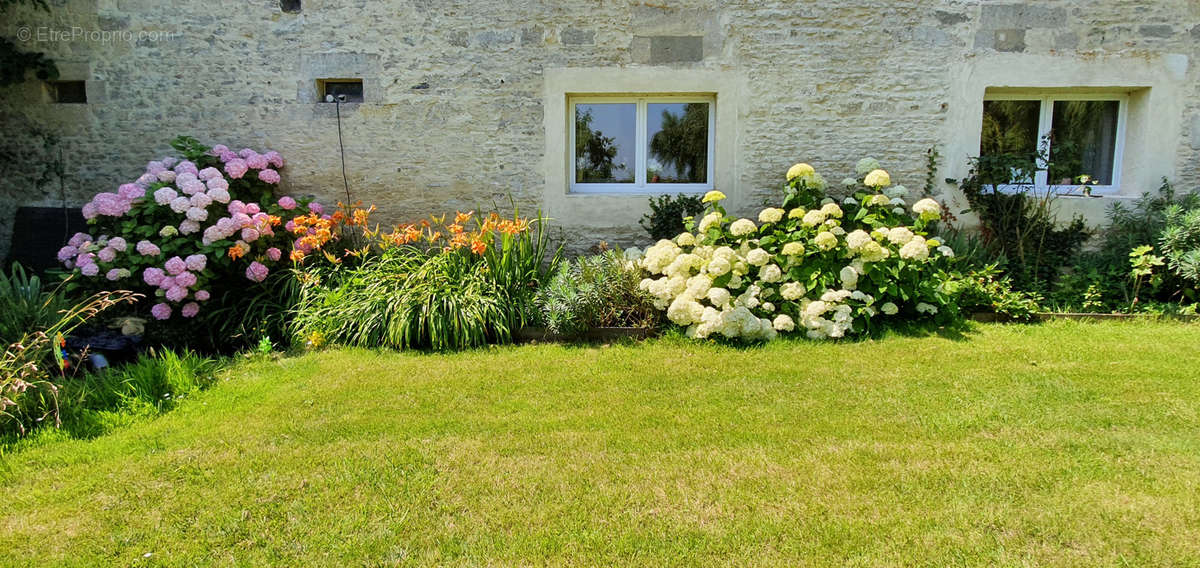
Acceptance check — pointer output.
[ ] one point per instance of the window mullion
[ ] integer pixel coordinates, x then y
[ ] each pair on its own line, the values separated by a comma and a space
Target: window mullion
1045, 123
640, 178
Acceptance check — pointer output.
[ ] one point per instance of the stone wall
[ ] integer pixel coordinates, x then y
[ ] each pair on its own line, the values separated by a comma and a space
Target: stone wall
455, 90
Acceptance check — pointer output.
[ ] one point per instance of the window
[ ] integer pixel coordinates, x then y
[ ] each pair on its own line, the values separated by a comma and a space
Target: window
68, 92
343, 90
289, 6
1065, 137
642, 144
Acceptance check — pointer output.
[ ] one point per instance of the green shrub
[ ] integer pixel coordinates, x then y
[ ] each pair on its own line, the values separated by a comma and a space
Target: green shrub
668, 213
986, 291
28, 305
1180, 242
595, 291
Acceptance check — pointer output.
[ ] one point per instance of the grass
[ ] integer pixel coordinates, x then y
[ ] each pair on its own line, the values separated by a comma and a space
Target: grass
1064, 444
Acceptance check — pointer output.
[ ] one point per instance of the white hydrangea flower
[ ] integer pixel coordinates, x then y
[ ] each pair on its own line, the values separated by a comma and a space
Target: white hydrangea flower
896, 192
889, 309
767, 307
813, 218
792, 291
742, 227
849, 277
878, 200
719, 297
825, 240
924, 308
758, 257
698, 286
928, 209
794, 248
783, 322
796, 213
770, 215
946, 251
857, 239
832, 210
849, 182
718, 266
770, 273
900, 235
708, 221
685, 240
915, 249
878, 179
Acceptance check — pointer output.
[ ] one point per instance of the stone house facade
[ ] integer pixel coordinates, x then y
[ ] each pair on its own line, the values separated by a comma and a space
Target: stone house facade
466, 104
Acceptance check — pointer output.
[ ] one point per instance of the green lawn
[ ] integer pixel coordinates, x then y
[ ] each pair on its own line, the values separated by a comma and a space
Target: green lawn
1061, 444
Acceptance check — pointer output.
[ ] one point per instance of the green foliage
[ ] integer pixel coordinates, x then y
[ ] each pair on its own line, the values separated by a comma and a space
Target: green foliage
518, 263
28, 392
406, 298
595, 291
668, 215
1142, 268
1020, 227
91, 404
985, 290
28, 304
1100, 278
15, 65
1180, 242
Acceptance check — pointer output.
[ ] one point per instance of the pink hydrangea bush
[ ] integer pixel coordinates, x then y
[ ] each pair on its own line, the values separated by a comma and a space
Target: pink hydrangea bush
188, 230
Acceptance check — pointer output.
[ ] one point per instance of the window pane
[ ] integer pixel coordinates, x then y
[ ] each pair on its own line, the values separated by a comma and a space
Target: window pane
605, 137
1010, 128
1083, 141
678, 135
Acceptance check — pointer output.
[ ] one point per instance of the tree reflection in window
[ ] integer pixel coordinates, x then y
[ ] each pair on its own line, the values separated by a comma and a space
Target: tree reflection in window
596, 155
678, 143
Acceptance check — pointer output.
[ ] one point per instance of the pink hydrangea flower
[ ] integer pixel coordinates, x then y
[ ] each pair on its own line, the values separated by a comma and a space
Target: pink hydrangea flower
218, 195
290, 226
164, 195
188, 227
257, 271
78, 239
201, 200
227, 157
168, 162
302, 246
110, 204
202, 295
236, 206
180, 204
316, 208
167, 176
246, 152
94, 269
218, 149
153, 276
186, 167
208, 173
196, 262
189, 310
174, 265
236, 168
274, 158
160, 311
89, 211
176, 293
269, 176
167, 283
197, 213
249, 235
193, 187
287, 202
252, 209
131, 191
113, 275
67, 253
155, 168
118, 244
185, 279
145, 180
257, 161
85, 258
241, 220
147, 248
274, 254
218, 183
107, 254
182, 178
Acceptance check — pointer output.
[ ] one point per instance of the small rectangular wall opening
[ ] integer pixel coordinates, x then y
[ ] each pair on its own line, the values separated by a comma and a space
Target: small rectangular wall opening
68, 92
290, 6
341, 90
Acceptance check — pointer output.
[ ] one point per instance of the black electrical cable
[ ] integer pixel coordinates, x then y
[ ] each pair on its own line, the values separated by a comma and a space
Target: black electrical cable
342, 149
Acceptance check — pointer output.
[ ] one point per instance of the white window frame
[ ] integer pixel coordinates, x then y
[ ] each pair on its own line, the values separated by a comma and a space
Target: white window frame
1045, 124
640, 184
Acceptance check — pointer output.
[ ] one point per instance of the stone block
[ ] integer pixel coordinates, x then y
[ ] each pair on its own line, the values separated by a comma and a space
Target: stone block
1019, 16
1157, 30
576, 36
676, 49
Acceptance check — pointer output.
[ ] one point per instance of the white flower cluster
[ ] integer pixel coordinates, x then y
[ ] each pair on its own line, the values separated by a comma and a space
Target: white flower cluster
738, 279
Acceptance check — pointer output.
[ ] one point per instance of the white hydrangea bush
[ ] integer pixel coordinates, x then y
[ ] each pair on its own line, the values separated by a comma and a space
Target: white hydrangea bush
812, 266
